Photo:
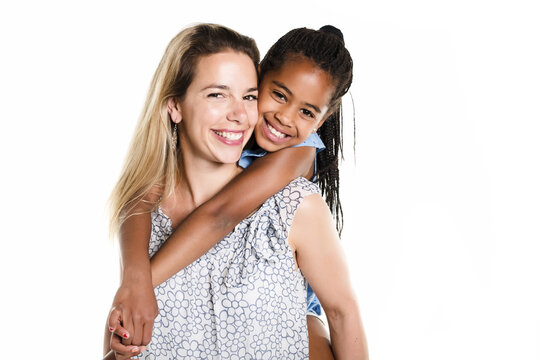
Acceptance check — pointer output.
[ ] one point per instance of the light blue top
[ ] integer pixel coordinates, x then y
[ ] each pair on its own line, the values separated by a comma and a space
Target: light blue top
251, 154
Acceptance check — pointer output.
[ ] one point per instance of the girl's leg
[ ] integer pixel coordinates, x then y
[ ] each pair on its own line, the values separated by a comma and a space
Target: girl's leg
319, 340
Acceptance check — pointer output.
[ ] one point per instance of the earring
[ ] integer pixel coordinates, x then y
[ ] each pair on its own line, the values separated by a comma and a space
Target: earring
314, 130
174, 137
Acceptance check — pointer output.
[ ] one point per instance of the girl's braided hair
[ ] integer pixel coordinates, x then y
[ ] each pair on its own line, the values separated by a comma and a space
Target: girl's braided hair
326, 49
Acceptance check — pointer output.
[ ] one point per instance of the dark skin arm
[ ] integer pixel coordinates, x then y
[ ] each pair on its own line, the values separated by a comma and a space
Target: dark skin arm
213, 220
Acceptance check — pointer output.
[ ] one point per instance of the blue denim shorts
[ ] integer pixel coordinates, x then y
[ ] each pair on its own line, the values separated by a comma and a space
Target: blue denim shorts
313, 303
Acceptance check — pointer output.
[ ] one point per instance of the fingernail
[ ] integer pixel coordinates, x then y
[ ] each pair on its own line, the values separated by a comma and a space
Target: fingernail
135, 349
111, 329
125, 335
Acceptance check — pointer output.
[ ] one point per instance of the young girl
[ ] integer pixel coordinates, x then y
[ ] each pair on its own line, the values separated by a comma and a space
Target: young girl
303, 65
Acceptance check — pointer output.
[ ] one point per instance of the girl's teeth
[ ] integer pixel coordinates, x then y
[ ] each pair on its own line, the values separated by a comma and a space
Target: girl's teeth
229, 135
275, 132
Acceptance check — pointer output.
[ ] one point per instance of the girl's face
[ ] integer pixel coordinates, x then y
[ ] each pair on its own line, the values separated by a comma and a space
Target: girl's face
293, 101
217, 115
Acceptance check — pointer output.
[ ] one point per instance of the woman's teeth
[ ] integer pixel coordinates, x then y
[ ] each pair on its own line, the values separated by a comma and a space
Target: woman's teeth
275, 132
229, 135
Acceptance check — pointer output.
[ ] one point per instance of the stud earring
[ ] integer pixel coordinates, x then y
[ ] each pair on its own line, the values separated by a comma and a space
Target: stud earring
314, 130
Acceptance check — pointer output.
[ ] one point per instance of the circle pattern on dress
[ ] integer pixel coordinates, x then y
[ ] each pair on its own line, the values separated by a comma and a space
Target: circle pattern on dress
244, 298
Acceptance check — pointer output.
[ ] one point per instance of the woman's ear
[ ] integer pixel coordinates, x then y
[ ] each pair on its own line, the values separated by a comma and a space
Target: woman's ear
173, 107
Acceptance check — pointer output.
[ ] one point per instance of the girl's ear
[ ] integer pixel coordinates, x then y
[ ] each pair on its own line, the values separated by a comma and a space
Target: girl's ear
173, 107
326, 116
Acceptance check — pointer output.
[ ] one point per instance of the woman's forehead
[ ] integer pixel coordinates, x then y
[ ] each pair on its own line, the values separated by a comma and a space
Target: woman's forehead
228, 70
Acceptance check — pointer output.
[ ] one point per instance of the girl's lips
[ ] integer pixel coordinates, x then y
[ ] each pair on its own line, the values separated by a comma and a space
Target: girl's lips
273, 137
230, 137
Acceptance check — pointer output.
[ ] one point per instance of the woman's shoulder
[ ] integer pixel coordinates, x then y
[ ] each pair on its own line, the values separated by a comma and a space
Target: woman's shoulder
302, 186
288, 200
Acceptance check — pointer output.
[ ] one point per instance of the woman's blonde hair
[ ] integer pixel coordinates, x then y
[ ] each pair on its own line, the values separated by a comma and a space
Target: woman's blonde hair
152, 158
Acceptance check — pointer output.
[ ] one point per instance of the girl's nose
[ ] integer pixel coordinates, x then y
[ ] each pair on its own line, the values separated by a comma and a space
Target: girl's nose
285, 115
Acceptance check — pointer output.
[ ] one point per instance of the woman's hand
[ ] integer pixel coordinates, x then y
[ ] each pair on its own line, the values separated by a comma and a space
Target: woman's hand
120, 351
133, 311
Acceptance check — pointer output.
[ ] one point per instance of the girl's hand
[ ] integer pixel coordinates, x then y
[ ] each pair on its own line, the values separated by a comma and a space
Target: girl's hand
133, 312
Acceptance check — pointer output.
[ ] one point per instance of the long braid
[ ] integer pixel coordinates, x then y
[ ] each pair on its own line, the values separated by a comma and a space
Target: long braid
328, 166
326, 49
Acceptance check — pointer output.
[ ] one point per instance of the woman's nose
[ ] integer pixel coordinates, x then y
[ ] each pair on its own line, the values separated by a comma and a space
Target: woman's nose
237, 111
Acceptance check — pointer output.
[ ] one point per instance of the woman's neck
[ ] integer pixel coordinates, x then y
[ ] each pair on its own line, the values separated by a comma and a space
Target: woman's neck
200, 179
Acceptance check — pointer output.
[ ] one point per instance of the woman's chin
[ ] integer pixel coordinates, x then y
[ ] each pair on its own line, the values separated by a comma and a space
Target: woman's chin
228, 158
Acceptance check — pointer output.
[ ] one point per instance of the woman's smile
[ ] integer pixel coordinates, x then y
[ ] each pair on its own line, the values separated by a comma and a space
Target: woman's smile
230, 137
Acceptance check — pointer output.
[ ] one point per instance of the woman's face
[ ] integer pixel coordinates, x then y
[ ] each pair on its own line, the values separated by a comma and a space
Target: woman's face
293, 101
219, 111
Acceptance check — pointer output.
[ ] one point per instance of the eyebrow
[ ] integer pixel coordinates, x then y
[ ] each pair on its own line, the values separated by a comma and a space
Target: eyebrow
288, 91
225, 87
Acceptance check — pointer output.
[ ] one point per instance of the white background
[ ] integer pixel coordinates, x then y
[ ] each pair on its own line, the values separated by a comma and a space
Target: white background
442, 205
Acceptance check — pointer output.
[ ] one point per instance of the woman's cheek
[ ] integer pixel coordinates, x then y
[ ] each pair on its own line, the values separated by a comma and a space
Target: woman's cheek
253, 114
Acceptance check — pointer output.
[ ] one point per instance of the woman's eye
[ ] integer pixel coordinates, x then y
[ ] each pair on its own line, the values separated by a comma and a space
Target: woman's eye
250, 97
307, 113
216, 95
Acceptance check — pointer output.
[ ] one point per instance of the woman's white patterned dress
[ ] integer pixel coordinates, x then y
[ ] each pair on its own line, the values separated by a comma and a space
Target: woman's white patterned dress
243, 299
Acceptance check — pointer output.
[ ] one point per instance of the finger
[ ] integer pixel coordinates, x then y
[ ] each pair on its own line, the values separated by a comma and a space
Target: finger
127, 324
124, 351
122, 332
141, 349
147, 333
137, 332
115, 319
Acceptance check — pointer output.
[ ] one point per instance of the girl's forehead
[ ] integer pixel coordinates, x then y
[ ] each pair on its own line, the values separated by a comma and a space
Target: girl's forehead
300, 73
301, 81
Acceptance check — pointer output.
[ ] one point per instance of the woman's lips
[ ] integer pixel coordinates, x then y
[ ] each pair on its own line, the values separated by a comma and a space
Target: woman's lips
230, 137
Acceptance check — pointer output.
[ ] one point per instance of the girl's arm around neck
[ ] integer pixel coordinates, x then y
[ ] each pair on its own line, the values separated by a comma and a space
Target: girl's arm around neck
321, 259
213, 220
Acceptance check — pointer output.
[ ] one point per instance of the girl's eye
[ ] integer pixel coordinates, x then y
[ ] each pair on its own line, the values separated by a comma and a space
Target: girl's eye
279, 95
306, 112
216, 95
250, 97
